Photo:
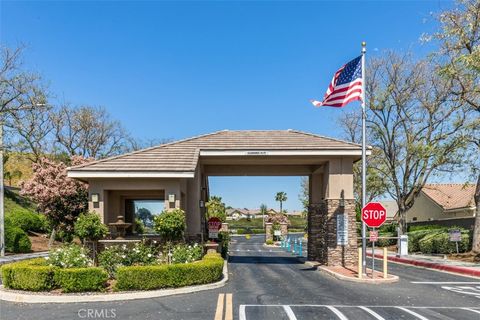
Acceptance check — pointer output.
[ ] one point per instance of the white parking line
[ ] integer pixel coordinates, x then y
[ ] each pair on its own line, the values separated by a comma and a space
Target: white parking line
337, 312
373, 313
241, 312
290, 314
447, 282
419, 316
470, 309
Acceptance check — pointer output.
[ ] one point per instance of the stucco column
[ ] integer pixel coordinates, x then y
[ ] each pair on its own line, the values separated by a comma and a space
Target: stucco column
284, 229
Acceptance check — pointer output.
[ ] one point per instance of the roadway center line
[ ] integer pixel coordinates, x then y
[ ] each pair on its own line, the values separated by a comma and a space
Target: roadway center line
373, 313
419, 316
229, 307
337, 312
444, 282
289, 312
219, 312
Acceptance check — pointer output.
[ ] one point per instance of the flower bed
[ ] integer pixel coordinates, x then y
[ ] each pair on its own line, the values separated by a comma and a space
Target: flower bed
209, 269
142, 267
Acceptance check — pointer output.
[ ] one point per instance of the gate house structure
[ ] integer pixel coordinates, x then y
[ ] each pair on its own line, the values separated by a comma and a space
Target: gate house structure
178, 173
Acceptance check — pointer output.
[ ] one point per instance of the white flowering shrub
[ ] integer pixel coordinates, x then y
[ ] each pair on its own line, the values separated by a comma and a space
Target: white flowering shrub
69, 256
183, 253
139, 254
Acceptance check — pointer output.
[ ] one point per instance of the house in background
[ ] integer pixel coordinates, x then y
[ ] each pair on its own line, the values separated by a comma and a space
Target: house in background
245, 213
392, 210
444, 204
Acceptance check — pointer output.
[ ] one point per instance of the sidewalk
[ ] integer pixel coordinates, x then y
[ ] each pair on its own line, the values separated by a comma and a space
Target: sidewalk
433, 262
21, 256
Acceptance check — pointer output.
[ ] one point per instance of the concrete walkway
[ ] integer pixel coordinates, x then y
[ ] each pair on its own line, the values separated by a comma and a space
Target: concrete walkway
22, 256
434, 262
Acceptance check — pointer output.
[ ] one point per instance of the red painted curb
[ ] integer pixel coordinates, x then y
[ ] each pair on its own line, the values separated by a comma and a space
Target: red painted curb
431, 265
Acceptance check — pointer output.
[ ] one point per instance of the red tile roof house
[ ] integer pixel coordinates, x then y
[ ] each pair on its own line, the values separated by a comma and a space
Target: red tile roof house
449, 204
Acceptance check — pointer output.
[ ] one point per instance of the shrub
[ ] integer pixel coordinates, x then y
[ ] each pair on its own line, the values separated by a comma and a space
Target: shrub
139, 226
170, 224
269, 242
247, 236
386, 242
170, 276
16, 240
69, 256
388, 227
32, 275
26, 220
80, 279
89, 227
224, 239
116, 256
183, 253
439, 242
414, 239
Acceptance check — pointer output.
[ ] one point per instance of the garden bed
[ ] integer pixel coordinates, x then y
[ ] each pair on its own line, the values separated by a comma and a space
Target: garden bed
37, 275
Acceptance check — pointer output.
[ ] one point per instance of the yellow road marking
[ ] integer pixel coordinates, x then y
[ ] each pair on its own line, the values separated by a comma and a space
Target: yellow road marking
229, 307
219, 312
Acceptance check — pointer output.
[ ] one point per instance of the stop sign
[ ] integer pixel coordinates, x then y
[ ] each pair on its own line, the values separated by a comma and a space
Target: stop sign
374, 214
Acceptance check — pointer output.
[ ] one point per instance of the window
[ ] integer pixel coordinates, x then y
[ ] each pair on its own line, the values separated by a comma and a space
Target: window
144, 210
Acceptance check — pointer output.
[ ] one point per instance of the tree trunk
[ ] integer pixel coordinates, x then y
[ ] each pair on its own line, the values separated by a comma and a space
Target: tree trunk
52, 238
402, 222
281, 207
476, 228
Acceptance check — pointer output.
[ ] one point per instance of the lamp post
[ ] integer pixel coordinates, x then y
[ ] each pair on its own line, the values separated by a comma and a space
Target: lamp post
2, 186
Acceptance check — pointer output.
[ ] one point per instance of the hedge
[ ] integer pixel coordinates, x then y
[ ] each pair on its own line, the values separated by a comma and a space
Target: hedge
208, 270
16, 240
81, 279
439, 242
31, 275
414, 239
36, 275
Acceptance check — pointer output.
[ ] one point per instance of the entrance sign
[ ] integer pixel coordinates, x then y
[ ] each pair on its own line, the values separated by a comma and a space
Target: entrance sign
214, 225
342, 229
374, 214
373, 236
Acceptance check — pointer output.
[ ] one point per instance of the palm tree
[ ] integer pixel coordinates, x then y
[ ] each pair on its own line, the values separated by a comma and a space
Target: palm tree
281, 197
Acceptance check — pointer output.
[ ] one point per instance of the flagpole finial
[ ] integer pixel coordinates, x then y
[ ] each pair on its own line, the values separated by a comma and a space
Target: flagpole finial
364, 47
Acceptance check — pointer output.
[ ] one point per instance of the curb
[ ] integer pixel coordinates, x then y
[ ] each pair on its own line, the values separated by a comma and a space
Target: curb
432, 265
20, 257
391, 279
19, 297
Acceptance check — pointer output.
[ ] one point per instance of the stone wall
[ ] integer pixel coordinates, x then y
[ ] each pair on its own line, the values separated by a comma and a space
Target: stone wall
268, 231
322, 233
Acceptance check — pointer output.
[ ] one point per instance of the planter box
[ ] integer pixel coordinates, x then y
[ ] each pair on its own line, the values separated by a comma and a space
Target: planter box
212, 247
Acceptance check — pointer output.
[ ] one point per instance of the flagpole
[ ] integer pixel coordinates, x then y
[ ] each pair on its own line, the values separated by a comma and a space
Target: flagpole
364, 162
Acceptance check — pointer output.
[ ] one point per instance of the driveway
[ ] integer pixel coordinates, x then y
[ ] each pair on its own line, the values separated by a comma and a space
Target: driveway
268, 283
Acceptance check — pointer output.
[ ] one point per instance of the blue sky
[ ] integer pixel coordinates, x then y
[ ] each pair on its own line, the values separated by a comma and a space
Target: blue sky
214, 65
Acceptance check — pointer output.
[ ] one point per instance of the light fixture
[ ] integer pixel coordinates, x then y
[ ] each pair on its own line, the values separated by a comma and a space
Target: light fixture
202, 204
95, 197
171, 197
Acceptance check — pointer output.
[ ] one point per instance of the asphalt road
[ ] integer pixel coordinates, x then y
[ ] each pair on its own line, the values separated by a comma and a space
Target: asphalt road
272, 284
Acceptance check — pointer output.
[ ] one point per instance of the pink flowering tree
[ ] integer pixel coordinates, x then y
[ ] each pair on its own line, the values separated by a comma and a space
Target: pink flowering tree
59, 197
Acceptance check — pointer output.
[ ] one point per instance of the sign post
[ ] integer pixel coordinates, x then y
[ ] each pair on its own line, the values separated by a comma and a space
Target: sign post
455, 236
374, 215
214, 225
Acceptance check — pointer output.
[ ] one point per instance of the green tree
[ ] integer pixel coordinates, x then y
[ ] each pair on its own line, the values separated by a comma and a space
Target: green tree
216, 208
459, 62
415, 124
170, 224
281, 197
304, 196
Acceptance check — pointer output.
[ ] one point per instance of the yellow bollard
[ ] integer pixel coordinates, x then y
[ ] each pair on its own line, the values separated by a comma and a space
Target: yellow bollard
360, 271
385, 263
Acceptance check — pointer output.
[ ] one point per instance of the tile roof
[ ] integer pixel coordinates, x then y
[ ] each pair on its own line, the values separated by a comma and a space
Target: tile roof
451, 195
183, 155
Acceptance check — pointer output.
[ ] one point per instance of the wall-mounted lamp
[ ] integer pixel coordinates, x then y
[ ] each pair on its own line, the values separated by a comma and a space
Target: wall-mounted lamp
202, 204
171, 197
95, 197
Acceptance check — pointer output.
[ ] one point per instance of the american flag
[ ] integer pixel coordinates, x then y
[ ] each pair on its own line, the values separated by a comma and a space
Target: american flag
346, 86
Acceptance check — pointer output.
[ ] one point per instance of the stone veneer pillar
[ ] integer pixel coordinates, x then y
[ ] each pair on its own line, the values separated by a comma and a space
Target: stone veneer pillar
268, 231
322, 233
284, 229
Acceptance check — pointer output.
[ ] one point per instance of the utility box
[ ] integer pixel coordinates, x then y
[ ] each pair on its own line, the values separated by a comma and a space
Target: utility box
403, 245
